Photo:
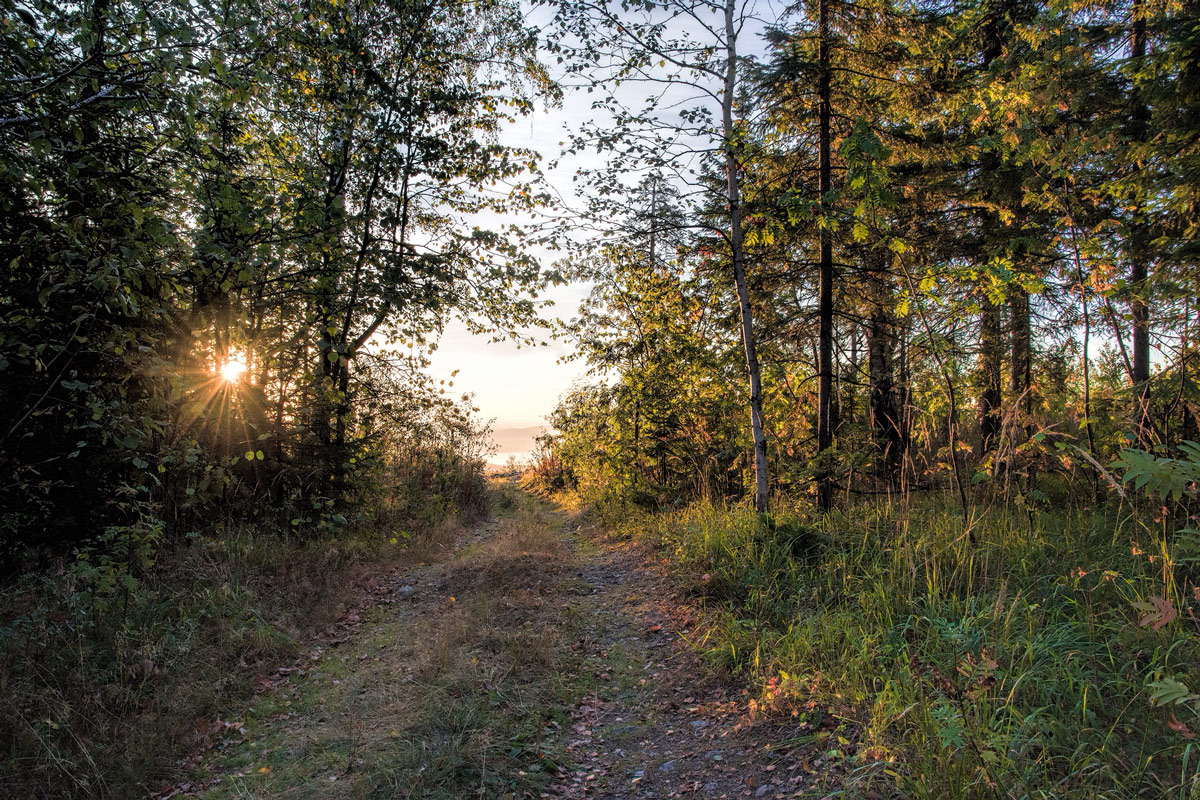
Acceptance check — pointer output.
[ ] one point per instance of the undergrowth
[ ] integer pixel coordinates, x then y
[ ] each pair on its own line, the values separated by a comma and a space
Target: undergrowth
1041, 655
105, 684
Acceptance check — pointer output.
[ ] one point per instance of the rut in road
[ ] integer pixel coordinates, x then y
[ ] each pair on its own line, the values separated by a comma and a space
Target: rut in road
537, 657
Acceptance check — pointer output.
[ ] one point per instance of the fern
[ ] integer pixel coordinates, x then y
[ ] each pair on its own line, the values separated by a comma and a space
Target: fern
1173, 478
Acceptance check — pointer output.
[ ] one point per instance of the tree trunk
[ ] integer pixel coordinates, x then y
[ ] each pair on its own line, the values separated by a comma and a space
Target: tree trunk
882, 408
1139, 307
637, 439
733, 194
322, 407
1021, 379
848, 388
989, 374
825, 299
990, 355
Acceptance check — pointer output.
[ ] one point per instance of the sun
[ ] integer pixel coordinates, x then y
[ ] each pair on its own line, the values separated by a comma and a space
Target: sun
233, 369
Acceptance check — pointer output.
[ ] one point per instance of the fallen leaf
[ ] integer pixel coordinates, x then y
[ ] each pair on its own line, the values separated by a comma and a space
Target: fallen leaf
1180, 728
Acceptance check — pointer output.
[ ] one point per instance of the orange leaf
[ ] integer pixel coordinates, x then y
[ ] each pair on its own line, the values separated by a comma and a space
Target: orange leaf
1159, 611
1180, 728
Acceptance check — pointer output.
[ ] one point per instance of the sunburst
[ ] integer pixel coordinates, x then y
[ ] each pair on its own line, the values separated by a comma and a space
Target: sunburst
233, 369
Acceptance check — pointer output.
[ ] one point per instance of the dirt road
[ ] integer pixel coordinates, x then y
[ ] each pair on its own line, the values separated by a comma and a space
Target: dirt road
538, 657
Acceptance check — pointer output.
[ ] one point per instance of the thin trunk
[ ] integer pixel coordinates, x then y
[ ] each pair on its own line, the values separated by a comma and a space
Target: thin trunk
990, 355
637, 439
903, 398
1139, 307
1118, 336
847, 394
733, 192
1189, 429
1087, 336
881, 408
342, 409
1021, 379
653, 221
825, 301
637, 402
1021, 371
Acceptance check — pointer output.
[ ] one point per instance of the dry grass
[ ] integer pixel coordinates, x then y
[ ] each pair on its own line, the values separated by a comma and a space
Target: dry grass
450, 695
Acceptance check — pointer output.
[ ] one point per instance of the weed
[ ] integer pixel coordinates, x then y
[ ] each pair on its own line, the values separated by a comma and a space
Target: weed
105, 685
446, 698
1017, 665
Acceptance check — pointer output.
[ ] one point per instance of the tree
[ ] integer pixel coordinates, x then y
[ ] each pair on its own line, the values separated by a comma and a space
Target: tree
651, 43
187, 185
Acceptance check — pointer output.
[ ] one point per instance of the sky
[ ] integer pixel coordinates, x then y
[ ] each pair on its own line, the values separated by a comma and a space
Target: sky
518, 387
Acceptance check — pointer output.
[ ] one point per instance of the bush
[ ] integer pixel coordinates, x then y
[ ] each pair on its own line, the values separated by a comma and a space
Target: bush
105, 674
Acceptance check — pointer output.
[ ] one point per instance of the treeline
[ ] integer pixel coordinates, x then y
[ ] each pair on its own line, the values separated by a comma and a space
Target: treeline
921, 246
214, 218
229, 234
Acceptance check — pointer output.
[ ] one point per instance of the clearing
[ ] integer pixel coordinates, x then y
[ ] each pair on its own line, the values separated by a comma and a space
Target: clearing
534, 656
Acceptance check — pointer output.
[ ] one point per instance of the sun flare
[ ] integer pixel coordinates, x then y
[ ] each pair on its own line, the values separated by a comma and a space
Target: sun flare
233, 369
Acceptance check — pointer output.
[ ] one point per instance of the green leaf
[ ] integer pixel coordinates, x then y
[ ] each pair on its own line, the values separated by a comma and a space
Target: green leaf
1170, 692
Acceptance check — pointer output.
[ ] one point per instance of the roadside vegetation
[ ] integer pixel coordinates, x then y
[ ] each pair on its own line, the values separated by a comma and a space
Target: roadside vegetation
1047, 652
892, 344
113, 677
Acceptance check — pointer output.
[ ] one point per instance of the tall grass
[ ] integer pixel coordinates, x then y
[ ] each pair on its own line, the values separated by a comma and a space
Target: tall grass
1008, 660
104, 689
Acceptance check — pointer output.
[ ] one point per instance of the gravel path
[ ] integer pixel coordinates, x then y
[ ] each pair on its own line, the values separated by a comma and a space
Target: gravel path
662, 723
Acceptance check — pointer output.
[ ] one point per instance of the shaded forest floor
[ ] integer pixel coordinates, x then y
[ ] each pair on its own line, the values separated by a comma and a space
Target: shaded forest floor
537, 656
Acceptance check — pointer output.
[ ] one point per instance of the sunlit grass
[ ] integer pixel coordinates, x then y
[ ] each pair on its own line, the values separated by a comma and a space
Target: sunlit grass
1014, 666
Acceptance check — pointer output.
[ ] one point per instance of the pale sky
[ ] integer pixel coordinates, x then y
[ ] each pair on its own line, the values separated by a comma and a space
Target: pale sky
519, 387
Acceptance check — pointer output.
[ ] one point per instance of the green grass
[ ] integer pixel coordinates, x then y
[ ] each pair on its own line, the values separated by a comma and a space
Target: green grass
1005, 662
104, 690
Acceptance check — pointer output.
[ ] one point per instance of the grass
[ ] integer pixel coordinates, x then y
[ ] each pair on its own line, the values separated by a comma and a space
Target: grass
461, 692
103, 691
1007, 661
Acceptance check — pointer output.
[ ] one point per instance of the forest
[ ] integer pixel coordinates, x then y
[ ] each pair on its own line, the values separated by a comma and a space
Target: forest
891, 334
